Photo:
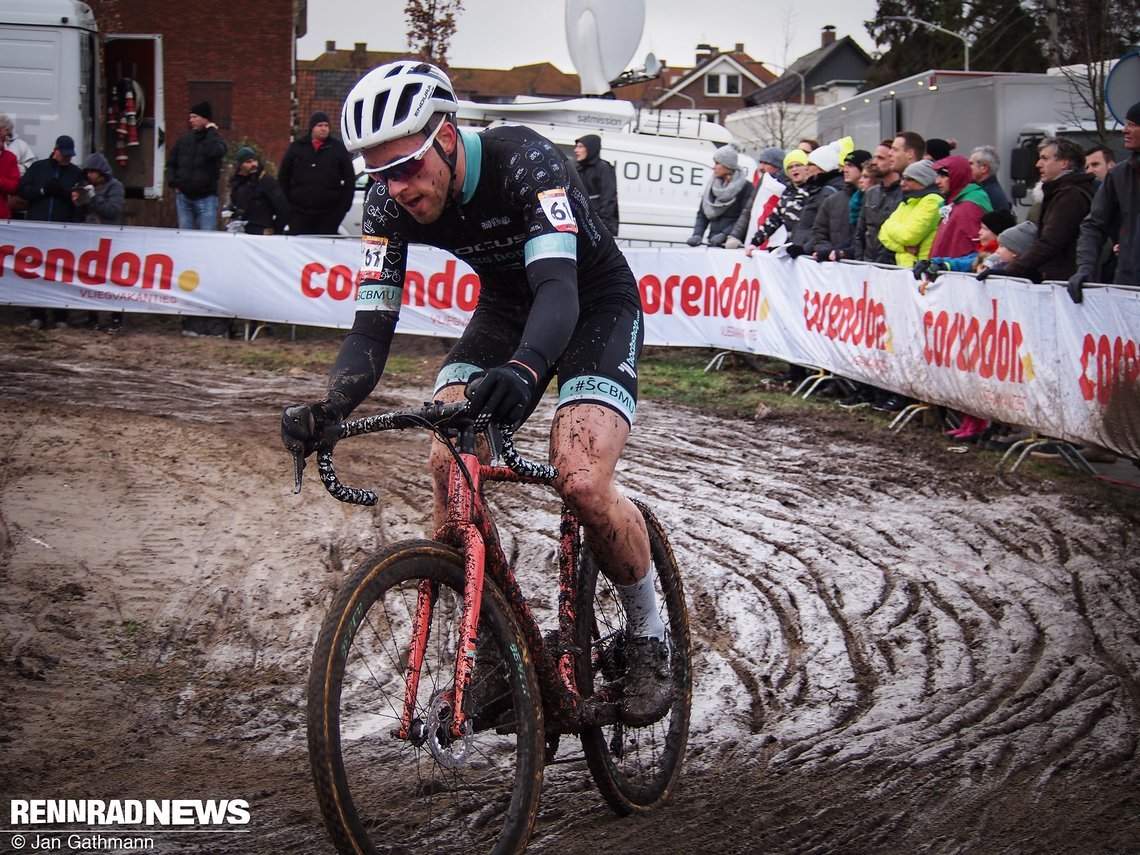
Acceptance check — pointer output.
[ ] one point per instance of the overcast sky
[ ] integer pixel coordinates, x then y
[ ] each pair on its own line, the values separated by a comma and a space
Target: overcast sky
506, 33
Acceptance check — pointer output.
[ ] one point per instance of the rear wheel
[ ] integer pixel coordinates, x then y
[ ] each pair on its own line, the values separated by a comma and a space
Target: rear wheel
634, 767
431, 792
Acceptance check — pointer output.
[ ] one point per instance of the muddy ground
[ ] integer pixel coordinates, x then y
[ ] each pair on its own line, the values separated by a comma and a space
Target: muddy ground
897, 648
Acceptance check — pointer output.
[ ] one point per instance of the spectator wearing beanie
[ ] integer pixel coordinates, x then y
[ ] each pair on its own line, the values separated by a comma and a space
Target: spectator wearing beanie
318, 179
788, 208
600, 179
193, 170
255, 196
770, 162
909, 231
983, 258
726, 194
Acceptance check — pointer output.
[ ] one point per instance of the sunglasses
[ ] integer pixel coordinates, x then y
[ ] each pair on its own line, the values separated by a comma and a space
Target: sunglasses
405, 167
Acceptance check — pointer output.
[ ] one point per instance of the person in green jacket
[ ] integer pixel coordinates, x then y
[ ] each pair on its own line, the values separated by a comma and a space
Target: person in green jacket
909, 231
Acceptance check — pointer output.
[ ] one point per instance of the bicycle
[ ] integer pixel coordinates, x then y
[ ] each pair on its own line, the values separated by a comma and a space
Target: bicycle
415, 746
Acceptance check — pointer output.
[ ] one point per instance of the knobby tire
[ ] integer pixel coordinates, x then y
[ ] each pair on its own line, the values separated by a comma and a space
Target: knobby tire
379, 793
635, 768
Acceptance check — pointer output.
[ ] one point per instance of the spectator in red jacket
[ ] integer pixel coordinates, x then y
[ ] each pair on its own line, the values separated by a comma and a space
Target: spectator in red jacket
966, 204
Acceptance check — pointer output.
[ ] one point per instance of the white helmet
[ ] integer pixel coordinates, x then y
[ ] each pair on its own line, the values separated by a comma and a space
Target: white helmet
394, 101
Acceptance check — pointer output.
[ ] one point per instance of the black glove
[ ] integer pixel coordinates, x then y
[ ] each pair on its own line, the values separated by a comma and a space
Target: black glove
694, 240
1076, 285
986, 272
795, 251
921, 268
305, 426
503, 393
53, 187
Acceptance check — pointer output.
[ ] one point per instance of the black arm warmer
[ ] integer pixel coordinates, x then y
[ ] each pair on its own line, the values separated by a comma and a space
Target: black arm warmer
553, 316
360, 363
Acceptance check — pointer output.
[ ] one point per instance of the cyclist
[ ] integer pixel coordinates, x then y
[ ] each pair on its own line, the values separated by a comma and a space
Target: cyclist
557, 298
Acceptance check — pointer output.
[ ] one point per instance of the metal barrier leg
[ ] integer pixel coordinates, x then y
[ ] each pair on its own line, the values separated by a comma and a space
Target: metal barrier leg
906, 414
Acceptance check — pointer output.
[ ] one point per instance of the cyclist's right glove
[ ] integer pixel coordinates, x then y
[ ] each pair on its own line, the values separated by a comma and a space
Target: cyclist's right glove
503, 393
305, 425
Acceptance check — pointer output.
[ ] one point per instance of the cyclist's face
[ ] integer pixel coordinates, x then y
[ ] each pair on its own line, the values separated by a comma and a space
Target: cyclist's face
421, 192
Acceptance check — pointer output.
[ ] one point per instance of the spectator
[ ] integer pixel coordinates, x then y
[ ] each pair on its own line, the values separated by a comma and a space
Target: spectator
788, 209
46, 187
1114, 215
9, 179
984, 166
1099, 161
831, 230
318, 178
966, 204
193, 169
907, 148
25, 157
909, 231
100, 201
878, 203
256, 198
824, 179
1067, 192
807, 145
984, 257
770, 161
600, 179
727, 193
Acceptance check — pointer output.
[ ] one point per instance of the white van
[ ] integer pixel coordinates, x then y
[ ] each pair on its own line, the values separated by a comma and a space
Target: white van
660, 174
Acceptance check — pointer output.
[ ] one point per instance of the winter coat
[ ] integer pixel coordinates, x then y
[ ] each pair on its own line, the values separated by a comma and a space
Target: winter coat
1114, 216
879, 202
720, 226
46, 187
601, 182
195, 163
787, 214
1065, 202
832, 227
998, 199
9, 181
258, 199
820, 188
961, 220
909, 231
317, 179
104, 202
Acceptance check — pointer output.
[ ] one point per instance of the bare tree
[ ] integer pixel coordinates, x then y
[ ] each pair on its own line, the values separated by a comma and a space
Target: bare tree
431, 24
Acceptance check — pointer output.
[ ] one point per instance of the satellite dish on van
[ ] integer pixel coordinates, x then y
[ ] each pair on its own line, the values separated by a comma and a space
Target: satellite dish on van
602, 36
1122, 89
652, 65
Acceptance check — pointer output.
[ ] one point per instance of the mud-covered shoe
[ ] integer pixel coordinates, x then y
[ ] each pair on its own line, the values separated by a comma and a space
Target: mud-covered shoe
649, 689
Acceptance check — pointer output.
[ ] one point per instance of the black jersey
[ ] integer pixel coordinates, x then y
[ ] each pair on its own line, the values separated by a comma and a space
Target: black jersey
520, 203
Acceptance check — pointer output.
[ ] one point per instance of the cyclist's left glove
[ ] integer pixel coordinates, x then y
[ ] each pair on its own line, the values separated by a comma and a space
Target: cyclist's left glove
305, 425
503, 393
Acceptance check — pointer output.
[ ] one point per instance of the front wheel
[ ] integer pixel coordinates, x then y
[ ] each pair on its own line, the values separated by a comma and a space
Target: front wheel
429, 792
634, 767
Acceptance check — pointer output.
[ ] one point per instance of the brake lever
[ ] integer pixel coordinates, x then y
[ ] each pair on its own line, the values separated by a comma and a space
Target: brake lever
298, 470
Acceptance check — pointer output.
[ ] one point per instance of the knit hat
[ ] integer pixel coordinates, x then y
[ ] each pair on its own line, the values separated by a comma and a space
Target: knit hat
922, 172
245, 153
1017, 239
726, 157
825, 157
203, 109
317, 118
937, 149
857, 158
796, 155
772, 155
998, 221
1133, 114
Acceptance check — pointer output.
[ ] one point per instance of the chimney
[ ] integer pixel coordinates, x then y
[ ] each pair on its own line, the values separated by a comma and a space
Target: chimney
705, 53
360, 53
739, 47
330, 47
828, 36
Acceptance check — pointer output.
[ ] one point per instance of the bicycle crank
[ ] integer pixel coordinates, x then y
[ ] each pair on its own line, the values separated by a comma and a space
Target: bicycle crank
449, 751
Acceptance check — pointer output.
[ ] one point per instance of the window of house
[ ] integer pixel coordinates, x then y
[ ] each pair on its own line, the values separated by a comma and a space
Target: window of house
722, 84
220, 95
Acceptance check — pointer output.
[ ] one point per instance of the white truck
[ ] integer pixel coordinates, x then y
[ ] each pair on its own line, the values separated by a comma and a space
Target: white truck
1011, 112
662, 161
59, 76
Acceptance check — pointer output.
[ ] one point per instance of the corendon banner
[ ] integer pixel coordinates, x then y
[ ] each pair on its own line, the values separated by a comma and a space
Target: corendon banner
1002, 349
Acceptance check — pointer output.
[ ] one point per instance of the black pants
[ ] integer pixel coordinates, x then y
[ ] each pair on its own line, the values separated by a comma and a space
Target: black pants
314, 222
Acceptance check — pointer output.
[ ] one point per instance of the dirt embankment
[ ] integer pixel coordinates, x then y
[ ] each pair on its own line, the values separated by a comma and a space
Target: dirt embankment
896, 648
